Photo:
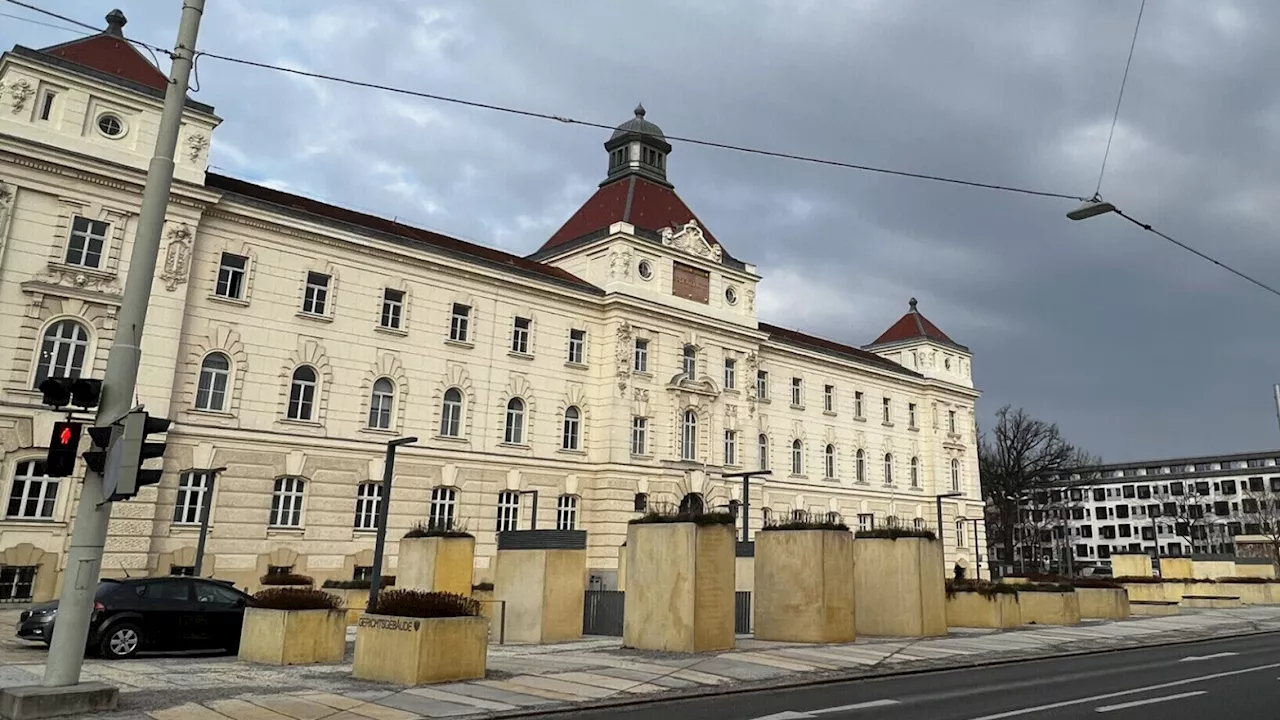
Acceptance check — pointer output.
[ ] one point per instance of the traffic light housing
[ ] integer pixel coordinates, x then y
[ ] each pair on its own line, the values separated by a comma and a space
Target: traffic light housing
80, 392
96, 459
134, 451
63, 446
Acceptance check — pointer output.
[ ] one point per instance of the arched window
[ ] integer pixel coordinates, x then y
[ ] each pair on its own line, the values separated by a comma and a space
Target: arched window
915, 472
762, 450
444, 506
381, 401
829, 461
692, 504
888, 468
689, 361
572, 428
515, 422
797, 457
302, 393
689, 435
451, 413
211, 390
368, 498
62, 351
860, 465
955, 475
960, 532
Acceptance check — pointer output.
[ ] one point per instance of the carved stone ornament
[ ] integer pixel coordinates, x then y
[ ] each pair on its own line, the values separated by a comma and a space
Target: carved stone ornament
620, 265
177, 256
197, 143
21, 90
640, 395
751, 301
81, 279
689, 238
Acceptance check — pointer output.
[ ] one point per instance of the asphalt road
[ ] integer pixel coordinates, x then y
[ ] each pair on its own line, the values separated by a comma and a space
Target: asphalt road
1228, 678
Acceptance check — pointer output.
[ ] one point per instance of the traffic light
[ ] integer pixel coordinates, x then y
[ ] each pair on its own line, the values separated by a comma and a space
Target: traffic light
96, 459
62, 391
63, 445
134, 451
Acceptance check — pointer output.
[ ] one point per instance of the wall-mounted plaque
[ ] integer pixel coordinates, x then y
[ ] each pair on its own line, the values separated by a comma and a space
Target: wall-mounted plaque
691, 283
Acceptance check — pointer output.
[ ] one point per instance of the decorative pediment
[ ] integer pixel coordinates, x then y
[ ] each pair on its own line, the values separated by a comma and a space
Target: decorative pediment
690, 239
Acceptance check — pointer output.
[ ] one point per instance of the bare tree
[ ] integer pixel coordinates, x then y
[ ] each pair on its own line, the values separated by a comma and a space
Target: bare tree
1260, 513
1019, 456
1186, 510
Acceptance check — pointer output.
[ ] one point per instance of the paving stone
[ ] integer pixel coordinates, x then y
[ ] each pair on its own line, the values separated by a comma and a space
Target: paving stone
667, 681
542, 682
727, 668
411, 702
294, 707
484, 692
189, 711
244, 710
461, 699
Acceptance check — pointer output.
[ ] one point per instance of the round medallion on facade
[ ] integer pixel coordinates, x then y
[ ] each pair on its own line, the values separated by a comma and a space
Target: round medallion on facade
731, 295
645, 270
110, 125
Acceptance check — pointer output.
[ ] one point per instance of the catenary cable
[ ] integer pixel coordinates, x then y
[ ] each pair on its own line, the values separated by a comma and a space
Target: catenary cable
1123, 80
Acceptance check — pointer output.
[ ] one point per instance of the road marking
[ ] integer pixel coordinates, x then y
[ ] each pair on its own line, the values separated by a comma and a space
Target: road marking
804, 715
1215, 656
1122, 693
1152, 701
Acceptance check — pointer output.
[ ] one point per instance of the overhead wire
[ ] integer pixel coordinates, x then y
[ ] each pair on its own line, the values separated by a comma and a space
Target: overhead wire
1123, 81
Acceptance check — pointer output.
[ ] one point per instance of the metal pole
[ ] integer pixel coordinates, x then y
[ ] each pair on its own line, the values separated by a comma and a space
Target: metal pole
1277, 393
89, 532
941, 538
209, 476
977, 559
746, 506
384, 509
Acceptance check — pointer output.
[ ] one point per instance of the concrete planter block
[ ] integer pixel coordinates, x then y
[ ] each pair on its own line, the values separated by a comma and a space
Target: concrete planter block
1255, 568
436, 564
1212, 569
293, 637
1147, 592
622, 568
1211, 602
354, 601
804, 586
541, 575
1103, 603
899, 588
1153, 608
1176, 568
417, 651
680, 595
1049, 608
975, 610
1131, 565
1252, 593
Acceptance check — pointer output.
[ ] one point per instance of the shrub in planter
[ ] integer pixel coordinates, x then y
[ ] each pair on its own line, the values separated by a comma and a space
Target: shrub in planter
331, 584
982, 587
413, 637
713, 518
286, 579
293, 626
893, 533
982, 604
424, 530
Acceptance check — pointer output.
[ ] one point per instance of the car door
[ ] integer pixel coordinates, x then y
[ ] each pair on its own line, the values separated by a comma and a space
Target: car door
168, 612
223, 609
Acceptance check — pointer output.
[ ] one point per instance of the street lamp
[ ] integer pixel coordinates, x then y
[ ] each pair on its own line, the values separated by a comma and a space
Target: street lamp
746, 495
977, 559
384, 506
1092, 207
209, 476
942, 538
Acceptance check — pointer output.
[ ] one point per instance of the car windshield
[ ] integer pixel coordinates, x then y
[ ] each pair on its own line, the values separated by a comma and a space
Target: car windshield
105, 588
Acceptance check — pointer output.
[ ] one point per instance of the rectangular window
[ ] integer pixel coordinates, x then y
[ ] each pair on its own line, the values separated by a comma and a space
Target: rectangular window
911, 415
577, 346
857, 405
730, 447
368, 502
887, 410
87, 243
730, 373
508, 510
392, 308
567, 512
460, 322
639, 435
829, 398
317, 293
640, 362
866, 521
16, 582
192, 493
32, 496
231, 271
951, 421
520, 335
286, 502
46, 104
443, 508
762, 385
797, 391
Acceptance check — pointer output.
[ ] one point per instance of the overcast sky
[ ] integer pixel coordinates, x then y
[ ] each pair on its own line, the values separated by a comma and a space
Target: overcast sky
1134, 347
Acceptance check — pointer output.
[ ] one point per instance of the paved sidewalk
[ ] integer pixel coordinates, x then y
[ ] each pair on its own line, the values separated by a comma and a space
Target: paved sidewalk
540, 678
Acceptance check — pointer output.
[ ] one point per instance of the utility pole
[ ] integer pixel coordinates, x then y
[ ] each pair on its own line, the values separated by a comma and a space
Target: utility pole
384, 511
1276, 388
89, 533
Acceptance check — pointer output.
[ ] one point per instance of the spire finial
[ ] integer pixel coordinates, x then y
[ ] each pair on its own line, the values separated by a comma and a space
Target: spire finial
116, 22
913, 304
639, 110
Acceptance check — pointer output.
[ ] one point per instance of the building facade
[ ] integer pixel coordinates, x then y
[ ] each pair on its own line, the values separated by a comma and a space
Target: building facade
621, 364
1220, 505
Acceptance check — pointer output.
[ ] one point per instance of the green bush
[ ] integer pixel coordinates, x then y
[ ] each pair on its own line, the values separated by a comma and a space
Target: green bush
893, 533
286, 579
807, 525
296, 598
423, 604
713, 518
387, 581
988, 590
448, 530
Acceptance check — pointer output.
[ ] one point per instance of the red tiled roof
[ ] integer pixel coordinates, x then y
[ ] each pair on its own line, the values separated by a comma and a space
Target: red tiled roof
112, 55
795, 337
632, 199
407, 234
914, 326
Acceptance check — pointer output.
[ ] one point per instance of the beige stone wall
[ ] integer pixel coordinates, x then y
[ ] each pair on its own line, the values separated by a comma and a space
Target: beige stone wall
804, 586
897, 588
543, 592
1131, 565
680, 595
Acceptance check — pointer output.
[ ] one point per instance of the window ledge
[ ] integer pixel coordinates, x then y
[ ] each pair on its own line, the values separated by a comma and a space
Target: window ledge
212, 413
571, 453
67, 267
887, 424
379, 431
576, 365
732, 391
913, 428
239, 302
642, 374
860, 418
314, 317
451, 439
519, 355
799, 476
363, 532
398, 332
829, 413
764, 400
796, 407
514, 446
188, 528
28, 522
301, 423
285, 531
465, 345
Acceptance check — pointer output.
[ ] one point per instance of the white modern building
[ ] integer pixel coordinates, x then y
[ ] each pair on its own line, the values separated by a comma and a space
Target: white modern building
290, 339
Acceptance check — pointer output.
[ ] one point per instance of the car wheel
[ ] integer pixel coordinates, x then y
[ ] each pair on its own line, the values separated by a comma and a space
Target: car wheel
121, 641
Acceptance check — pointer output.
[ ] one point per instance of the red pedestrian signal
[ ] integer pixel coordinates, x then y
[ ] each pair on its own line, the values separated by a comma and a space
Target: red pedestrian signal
64, 438
63, 446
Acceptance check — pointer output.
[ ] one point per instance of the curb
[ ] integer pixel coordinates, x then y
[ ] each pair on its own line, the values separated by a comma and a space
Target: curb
747, 688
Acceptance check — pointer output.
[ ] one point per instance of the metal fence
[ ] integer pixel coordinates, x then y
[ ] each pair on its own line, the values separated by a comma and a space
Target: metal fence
602, 612
742, 613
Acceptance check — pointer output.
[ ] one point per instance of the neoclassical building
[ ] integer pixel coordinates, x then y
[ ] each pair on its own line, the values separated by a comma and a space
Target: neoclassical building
289, 340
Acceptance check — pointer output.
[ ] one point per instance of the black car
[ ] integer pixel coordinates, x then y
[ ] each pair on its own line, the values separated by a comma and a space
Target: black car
159, 613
